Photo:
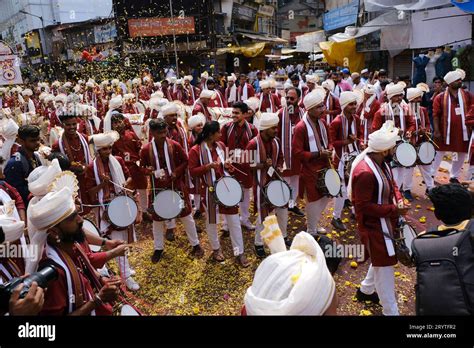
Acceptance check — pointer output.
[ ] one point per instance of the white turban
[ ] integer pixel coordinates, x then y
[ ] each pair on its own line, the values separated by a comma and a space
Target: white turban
105, 83
207, 93
394, 89
27, 92
265, 84
179, 82
146, 79
3, 90
41, 177
115, 102
232, 77
89, 84
9, 129
188, 78
268, 120
12, 229
312, 79
42, 96
67, 85
252, 103
288, 85
363, 71
52, 209
128, 96
381, 140
413, 93
104, 139
61, 98
173, 79
157, 94
48, 98
369, 89
455, 75
56, 84
346, 98
81, 82
328, 84
294, 282
115, 82
313, 98
169, 109
135, 81
195, 120
205, 75
158, 103
273, 83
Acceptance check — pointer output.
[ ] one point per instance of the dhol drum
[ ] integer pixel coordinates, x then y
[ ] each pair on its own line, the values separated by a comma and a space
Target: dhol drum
405, 155
168, 204
91, 227
277, 193
329, 182
228, 191
426, 153
121, 212
408, 233
128, 310
348, 166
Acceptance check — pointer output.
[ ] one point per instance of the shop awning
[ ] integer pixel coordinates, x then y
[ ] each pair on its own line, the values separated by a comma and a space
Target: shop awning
309, 42
248, 51
275, 57
264, 38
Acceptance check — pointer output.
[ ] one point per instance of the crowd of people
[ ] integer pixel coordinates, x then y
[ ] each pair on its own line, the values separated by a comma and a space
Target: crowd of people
117, 153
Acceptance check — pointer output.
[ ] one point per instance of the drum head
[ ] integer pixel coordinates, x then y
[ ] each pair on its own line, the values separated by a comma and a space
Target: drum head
406, 154
168, 204
122, 211
426, 152
278, 193
333, 182
128, 310
92, 228
228, 191
409, 234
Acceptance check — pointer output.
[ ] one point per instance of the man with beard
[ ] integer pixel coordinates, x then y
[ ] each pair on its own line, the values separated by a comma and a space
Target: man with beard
378, 205
397, 111
450, 110
289, 117
22, 163
78, 290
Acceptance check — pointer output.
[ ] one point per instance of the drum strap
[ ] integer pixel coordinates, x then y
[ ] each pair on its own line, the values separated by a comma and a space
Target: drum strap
313, 135
155, 158
345, 133
390, 113
287, 134
262, 177
447, 114
329, 107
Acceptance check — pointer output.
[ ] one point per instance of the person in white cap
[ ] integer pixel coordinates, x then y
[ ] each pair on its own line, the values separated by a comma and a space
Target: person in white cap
130, 104
344, 133
208, 160
364, 76
253, 114
50, 112
56, 215
293, 282
269, 102
180, 94
422, 130
106, 177
333, 108
193, 92
245, 89
450, 110
312, 148
167, 162
290, 116
367, 110
203, 103
115, 105
76, 148
378, 205
235, 136
195, 125
218, 101
230, 93
28, 106
357, 83
311, 81
267, 149
90, 94
397, 111
8, 134
203, 82
167, 91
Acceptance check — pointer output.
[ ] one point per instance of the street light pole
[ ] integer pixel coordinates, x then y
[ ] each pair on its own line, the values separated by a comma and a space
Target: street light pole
174, 39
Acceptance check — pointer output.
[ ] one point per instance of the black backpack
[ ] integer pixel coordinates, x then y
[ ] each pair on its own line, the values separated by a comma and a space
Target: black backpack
445, 271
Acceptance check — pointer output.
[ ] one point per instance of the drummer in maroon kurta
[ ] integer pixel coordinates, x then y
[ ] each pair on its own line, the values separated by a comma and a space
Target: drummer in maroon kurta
376, 213
269, 102
205, 162
181, 94
128, 147
245, 89
312, 147
219, 101
236, 136
456, 137
167, 161
366, 111
75, 146
289, 117
333, 108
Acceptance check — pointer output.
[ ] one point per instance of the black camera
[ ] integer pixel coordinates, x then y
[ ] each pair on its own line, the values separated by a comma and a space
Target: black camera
42, 277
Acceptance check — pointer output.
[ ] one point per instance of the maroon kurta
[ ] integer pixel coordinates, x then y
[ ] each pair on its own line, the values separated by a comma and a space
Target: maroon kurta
381, 117
369, 116
219, 101
274, 105
309, 166
333, 108
199, 107
128, 147
236, 137
250, 92
368, 213
457, 144
179, 164
338, 137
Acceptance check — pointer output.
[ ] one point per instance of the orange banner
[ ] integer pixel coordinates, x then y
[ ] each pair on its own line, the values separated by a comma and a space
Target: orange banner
156, 26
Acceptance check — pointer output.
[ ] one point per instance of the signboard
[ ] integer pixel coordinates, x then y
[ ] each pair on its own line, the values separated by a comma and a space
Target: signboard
244, 12
10, 73
369, 42
341, 16
33, 45
105, 33
156, 26
266, 10
4, 48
